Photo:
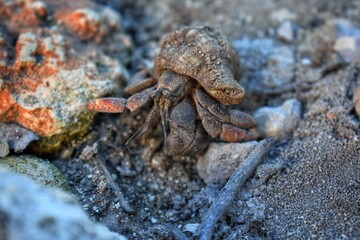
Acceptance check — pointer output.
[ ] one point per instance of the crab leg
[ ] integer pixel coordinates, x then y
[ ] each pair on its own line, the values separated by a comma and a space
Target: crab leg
118, 105
138, 100
230, 125
108, 105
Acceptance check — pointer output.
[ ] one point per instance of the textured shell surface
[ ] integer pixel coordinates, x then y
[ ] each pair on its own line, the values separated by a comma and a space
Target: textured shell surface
205, 55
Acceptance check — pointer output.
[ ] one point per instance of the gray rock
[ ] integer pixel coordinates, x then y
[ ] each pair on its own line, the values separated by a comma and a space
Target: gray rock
14, 137
191, 227
40, 170
286, 32
268, 64
29, 211
282, 15
221, 160
278, 121
356, 100
4, 148
348, 39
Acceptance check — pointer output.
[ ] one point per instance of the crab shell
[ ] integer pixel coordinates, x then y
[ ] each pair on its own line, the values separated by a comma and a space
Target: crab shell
205, 55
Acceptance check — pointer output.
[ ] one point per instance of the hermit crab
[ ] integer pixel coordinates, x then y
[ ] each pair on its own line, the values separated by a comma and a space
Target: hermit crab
195, 74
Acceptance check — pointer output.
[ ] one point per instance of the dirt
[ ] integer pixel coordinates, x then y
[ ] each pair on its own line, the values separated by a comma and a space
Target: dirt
311, 185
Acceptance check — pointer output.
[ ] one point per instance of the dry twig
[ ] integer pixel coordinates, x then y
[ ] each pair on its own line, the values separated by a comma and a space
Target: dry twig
123, 202
232, 187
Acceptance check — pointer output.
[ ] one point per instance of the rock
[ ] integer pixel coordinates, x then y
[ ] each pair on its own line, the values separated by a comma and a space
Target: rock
337, 37
286, 32
191, 227
40, 170
56, 67
4, 148
14, 137
317, 45
348, 40
278, 121
25, 15
282, 15
268, 64
47, 88
178, 201
89, 23
356, 100
29, 211
280, 67
221, 160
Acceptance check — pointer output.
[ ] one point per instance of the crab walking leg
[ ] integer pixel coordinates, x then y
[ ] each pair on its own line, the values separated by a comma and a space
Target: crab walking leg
118, 105
234, 117
107, 105
211, 105
230, 125
138, 100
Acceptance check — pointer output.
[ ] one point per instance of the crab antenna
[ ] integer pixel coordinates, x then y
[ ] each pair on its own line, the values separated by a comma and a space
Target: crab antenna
163, 125
143, 129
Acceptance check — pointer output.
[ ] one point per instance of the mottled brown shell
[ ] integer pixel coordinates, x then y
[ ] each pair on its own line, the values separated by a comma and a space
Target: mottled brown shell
206, 56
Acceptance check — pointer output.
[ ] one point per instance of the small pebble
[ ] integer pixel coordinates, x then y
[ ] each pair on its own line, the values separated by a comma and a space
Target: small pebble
286, 32
4, 148
282, 15
151, 198
305, 61
278, 121
191, 227
347, 42
356, 100
153, 220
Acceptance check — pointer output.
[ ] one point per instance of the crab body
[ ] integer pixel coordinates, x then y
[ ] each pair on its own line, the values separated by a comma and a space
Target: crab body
195, 74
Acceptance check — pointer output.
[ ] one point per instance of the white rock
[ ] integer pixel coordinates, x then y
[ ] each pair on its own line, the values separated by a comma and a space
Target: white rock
278, 121
282, 15
29, 211
191, 227
280, 67
286, 32
348, 39
221, 160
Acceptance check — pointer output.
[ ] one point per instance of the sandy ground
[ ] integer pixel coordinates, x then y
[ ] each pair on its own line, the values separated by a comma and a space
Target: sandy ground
311, 185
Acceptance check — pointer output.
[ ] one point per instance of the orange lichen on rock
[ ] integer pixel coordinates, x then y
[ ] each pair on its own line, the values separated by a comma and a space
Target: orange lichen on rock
88, 23
38, 120
24, 14
47, 75
46, 88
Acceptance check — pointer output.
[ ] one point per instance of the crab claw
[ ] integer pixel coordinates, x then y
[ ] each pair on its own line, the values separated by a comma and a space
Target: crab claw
108, 105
